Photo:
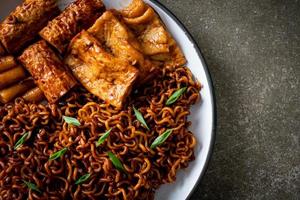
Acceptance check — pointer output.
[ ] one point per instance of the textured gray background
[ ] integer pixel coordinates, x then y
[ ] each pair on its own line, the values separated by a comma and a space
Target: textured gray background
252, 48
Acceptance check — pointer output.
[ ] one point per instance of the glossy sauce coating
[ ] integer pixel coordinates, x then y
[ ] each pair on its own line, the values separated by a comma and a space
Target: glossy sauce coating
77, 16
10, 93
24, 23
47, 70
113, 33
6, 63
34, 95
156, 41
11, 76
101, 73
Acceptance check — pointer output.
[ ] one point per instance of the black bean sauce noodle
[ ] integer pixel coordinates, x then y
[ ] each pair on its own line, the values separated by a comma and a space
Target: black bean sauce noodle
145, 168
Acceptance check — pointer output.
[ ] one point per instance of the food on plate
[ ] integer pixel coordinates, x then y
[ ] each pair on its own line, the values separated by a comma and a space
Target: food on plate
7, 62
24, 23
146, 169
156, 41
98, 71
16, 90
14, 81
77, 16
105, 118
11, 76
34, 95
114, 34
48, 70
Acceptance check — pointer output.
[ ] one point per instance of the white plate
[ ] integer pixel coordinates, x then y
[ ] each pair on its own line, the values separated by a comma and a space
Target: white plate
202, 115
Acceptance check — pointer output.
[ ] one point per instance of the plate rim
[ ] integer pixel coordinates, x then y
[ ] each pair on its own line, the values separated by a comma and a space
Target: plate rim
211, 91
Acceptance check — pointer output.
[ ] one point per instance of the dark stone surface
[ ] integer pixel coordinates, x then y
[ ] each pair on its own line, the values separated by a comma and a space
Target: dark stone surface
252, 49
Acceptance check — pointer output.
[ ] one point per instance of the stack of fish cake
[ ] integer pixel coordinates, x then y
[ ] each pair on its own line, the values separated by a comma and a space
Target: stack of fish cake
15, 82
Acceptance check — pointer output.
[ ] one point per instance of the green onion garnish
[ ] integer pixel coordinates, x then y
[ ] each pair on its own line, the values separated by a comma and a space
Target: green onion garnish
82, 179
103, 137
71, 120
140, 117
161, 139
31, 186
116, 162
58, 154
21, 140
175, 96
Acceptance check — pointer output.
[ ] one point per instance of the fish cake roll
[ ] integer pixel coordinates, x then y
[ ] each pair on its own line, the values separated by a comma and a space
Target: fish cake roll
25, 22
12, 76
6, 63
10, 93
34, 95
79, 15
47, 70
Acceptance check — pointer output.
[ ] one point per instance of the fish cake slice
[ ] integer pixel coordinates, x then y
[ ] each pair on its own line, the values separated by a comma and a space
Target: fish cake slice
48, 71
112, 32
101, 73
78, 15
24, 23
154, 37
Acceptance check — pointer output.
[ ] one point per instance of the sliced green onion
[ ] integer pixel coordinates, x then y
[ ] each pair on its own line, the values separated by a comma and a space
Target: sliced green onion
83, 179
58, 154
71, 120
161, 139
116, 162
103, 137
31, 186
140, 117
21, 141
175, 96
